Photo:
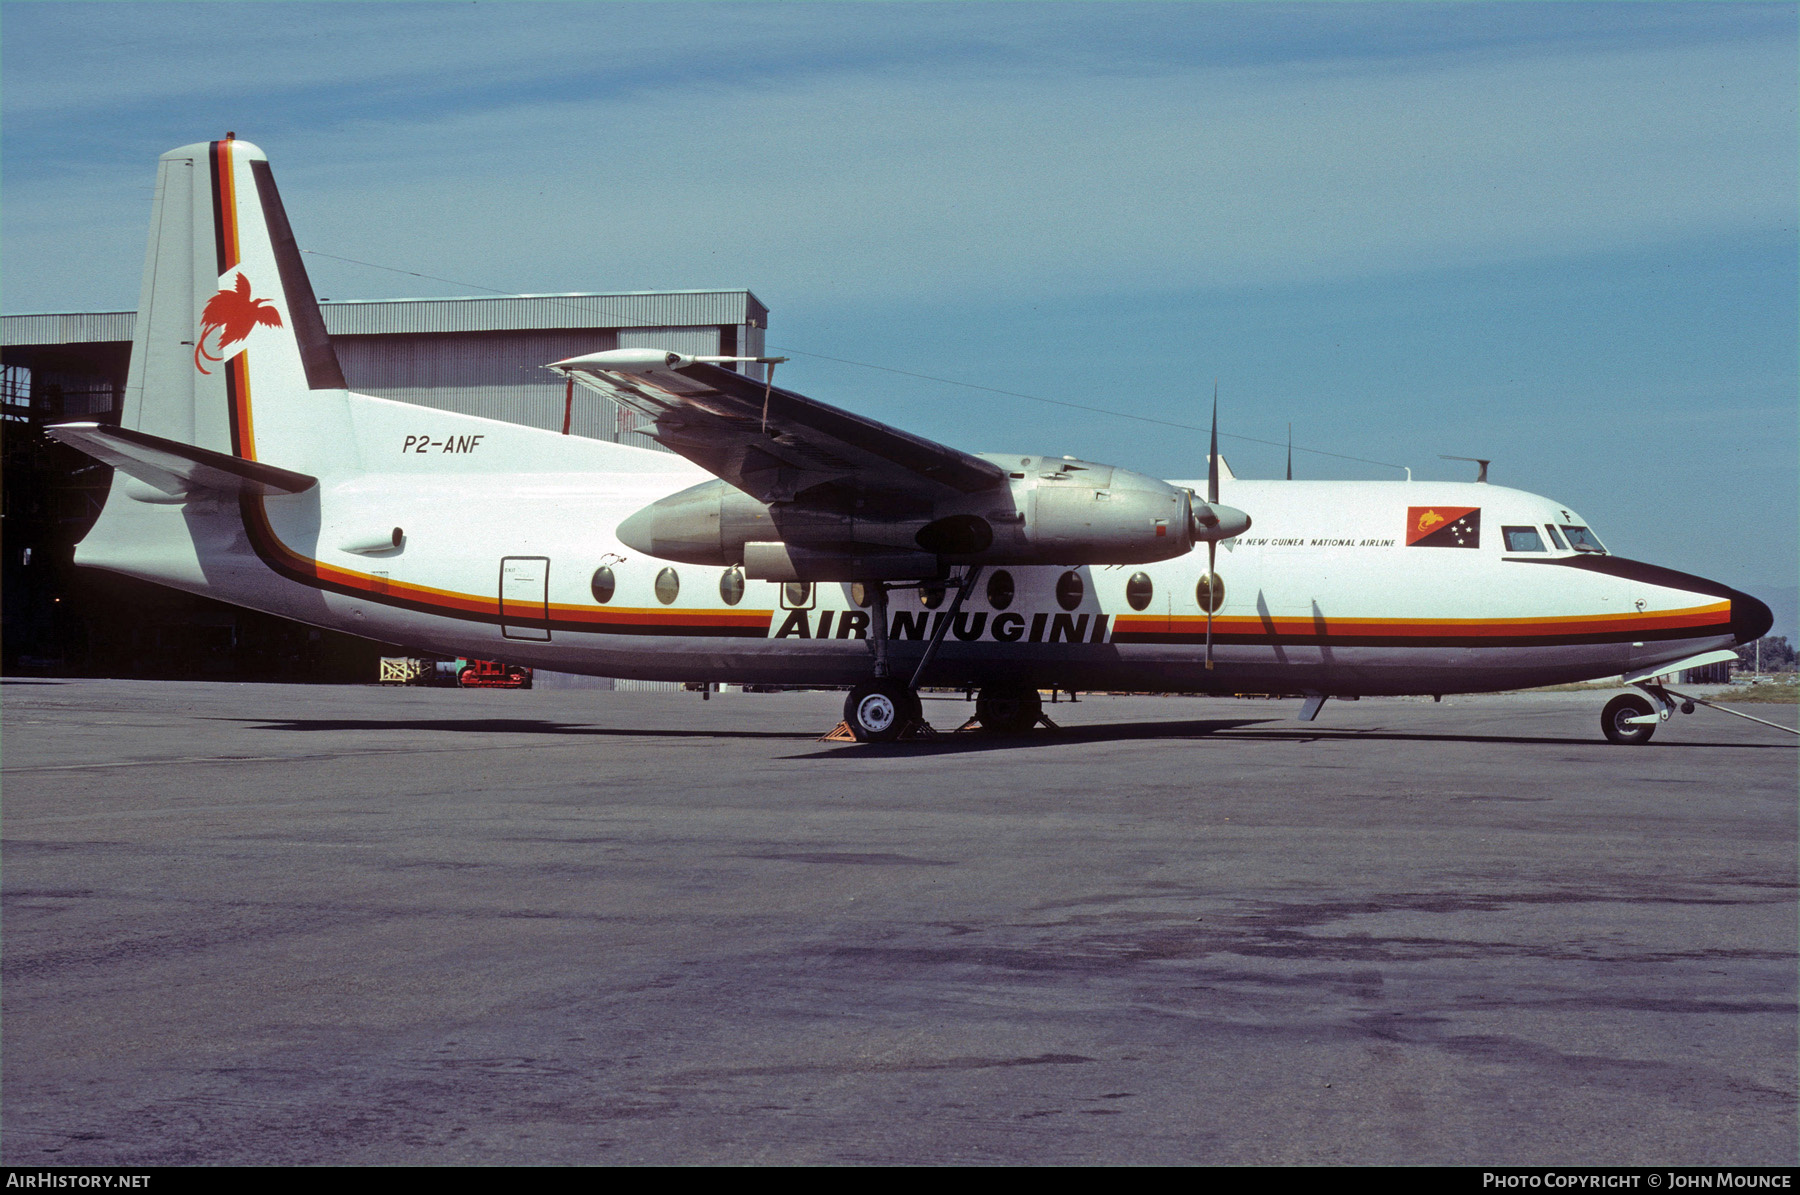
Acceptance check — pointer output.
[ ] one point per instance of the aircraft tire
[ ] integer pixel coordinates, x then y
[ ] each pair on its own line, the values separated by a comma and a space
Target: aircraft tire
1612, 720
878, 711
1008, 709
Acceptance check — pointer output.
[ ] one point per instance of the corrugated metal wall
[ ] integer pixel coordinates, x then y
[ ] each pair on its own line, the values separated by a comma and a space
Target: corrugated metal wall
649, 309
483, 356
496, 375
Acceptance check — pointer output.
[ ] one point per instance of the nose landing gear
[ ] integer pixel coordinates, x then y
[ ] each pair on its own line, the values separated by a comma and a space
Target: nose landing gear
1619, 720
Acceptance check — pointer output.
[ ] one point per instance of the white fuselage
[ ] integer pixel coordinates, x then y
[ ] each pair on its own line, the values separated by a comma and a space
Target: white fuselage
1323, 594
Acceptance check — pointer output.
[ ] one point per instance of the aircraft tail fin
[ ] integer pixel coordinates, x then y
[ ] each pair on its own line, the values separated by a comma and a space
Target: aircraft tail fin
230, 354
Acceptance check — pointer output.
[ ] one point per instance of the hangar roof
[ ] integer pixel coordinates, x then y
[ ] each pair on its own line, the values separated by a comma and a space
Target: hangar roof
374, 317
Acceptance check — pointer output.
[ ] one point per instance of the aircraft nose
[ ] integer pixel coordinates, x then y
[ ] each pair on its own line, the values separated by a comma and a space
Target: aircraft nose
1750, 619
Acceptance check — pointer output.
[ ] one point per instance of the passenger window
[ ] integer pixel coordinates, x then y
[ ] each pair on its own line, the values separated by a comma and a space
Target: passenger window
668, 585
603, 585
1138, 590
731, 586
1000, 589
797, 595
1069, 590
1209, 592
1555, 538
1522, 539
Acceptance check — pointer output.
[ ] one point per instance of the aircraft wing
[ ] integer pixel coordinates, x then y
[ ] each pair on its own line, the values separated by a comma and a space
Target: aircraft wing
772, 443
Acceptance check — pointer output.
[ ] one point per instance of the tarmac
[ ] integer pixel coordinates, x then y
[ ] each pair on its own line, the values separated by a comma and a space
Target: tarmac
303, 924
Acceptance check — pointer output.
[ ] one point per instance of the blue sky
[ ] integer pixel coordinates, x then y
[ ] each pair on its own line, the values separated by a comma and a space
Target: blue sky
1558, 235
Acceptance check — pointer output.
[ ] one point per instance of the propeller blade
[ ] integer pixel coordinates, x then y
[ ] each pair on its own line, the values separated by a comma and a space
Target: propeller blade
1290, 452
1212, 455
1212, 549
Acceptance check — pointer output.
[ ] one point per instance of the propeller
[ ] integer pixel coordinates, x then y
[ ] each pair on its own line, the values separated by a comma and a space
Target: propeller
1213, 522
1212, 501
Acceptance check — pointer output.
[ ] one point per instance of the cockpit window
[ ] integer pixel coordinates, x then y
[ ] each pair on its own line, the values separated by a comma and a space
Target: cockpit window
1522, 539
1583, 540
1555, 538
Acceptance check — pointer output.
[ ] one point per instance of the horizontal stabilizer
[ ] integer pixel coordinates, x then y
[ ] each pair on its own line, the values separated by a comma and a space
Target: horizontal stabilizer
176, 468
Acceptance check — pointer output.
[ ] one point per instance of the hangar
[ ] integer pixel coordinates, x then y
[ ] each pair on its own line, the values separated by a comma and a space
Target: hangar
478, 356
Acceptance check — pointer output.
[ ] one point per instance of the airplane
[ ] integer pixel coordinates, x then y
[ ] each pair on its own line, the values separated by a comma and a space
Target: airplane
784, 541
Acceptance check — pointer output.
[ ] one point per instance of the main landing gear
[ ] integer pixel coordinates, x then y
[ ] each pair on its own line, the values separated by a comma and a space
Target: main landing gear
880, 710
1008, 709
884, 707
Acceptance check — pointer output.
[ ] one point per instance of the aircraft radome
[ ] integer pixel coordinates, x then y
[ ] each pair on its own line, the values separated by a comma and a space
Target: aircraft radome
791, 542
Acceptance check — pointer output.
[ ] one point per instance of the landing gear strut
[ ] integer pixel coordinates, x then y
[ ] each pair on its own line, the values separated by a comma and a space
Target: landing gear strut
882, 708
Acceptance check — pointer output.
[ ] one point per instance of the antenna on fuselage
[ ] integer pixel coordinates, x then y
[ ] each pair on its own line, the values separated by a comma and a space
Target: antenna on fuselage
1482, 476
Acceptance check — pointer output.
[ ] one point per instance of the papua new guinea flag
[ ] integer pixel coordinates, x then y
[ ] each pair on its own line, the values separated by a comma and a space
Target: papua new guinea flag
1443, 526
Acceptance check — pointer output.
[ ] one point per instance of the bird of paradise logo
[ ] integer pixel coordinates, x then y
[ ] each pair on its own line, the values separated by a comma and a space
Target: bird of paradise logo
233, 314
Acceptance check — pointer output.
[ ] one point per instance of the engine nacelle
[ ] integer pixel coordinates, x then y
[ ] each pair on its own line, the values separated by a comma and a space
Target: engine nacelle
1060, 512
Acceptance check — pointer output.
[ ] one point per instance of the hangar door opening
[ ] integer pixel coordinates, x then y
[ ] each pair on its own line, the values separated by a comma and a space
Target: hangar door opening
525, 597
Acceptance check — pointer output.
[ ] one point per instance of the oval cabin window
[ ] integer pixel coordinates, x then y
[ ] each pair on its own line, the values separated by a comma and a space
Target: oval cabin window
1139, 590
731, 586
1000, 589
1069, 590
1210, 593
603, 585
668, 584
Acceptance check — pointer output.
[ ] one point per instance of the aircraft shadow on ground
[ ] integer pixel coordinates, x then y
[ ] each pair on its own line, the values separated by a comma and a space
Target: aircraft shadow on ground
507, 726
1245, 730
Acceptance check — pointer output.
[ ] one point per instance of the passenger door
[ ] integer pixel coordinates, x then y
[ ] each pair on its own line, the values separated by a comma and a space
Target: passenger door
525, 597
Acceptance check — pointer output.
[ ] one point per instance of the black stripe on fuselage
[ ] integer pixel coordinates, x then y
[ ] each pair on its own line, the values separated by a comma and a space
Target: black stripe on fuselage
1195, 639
1632, 570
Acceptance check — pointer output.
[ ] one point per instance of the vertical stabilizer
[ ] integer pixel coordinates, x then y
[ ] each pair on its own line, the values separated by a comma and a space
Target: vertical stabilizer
230, 352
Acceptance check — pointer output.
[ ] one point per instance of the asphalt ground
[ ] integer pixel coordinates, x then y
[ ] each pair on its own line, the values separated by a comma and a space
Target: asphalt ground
270, 924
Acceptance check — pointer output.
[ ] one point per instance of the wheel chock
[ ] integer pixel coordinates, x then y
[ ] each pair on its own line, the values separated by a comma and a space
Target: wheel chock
916, 731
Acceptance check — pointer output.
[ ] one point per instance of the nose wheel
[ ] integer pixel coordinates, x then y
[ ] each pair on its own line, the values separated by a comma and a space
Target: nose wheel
880, 710
1617, 720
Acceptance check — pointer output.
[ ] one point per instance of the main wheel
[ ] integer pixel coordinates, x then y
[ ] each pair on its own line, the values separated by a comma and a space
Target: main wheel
878, 710
1008, 709
1613, 719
